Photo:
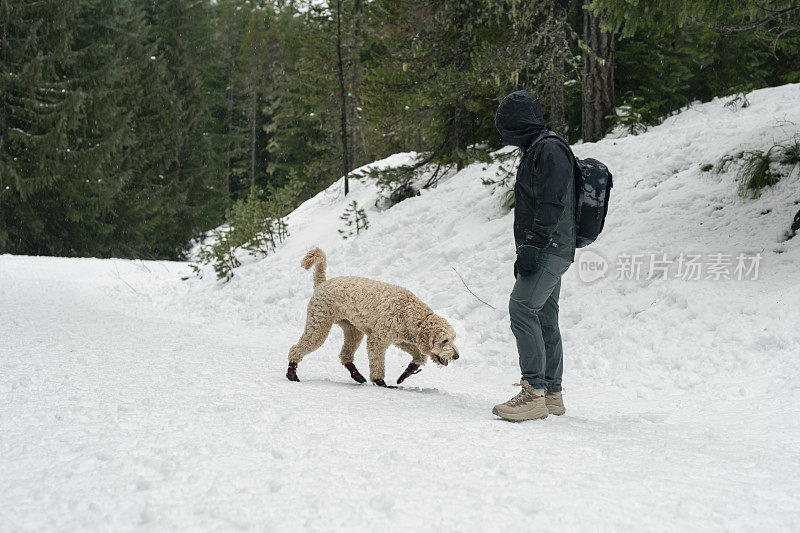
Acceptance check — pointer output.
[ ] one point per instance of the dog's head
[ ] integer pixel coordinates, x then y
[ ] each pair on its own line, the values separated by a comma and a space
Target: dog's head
436, 337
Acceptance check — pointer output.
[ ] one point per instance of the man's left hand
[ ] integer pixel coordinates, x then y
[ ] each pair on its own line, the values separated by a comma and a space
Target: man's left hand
527, 259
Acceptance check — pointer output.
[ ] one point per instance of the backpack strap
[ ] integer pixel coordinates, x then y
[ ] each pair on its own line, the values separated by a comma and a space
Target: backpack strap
548, 134
539, 138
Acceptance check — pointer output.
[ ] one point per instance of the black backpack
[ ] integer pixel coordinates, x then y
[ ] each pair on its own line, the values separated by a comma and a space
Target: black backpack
592, 191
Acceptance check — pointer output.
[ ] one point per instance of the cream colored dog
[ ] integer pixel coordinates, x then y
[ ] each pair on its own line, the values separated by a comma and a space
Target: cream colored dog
386, 314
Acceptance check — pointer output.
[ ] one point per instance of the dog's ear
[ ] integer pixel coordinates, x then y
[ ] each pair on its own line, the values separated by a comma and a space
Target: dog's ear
425, 337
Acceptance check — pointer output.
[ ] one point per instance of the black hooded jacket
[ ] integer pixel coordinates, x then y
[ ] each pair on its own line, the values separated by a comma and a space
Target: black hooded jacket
544, 194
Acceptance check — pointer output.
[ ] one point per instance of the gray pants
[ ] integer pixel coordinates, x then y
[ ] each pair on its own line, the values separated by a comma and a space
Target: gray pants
533, 307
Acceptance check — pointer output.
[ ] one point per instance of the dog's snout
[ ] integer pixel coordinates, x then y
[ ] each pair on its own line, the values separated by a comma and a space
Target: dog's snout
455, 356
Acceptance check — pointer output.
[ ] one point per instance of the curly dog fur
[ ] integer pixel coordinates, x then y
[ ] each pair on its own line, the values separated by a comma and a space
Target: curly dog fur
387, 314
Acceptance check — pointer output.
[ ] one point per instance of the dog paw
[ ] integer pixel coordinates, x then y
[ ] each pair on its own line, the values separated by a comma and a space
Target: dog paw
412, 368
291, 373
354, 373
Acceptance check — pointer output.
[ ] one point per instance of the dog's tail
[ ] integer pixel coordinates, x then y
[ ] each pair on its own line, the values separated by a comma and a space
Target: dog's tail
316, 258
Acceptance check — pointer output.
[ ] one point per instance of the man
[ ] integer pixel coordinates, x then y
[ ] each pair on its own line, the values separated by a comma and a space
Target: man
544, 234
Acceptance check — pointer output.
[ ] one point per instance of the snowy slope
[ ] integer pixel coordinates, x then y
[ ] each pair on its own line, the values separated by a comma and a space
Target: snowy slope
133, 400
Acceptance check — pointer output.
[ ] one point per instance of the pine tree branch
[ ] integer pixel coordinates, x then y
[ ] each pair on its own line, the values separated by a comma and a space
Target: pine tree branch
737, 28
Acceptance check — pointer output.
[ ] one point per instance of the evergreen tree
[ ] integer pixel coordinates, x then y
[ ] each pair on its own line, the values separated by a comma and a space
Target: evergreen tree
142, 210
231, 21
698, 49
308, 143
346, 165
685, 65
776, 17
355, 220
358, 152
258, 78
433, 82
63, 126
193, 181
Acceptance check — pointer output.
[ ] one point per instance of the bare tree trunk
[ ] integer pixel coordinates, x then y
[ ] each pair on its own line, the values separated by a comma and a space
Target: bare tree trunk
229, 122
463, 62
228, 38
598, 78
343, 97
560, 51
460, 130
254, 111
355, 124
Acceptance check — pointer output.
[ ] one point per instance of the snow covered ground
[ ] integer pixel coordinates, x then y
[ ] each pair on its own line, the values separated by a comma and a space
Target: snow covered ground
132, 400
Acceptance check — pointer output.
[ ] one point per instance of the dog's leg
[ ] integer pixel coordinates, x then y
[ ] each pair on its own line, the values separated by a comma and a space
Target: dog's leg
309, 341
352, 340
376, 352
417, 359
318, 325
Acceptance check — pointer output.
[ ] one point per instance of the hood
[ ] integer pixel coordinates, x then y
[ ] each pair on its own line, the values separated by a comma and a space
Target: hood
519, 119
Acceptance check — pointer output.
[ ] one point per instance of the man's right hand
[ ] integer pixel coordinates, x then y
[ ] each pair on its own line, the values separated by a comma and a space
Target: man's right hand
527, 259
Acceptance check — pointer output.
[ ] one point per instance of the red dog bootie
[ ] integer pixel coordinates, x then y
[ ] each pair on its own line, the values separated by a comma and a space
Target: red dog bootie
354, 373
412, 368
291, 373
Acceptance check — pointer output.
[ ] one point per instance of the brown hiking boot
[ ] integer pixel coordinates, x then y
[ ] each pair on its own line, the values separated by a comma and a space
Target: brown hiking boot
555, 403
529, 404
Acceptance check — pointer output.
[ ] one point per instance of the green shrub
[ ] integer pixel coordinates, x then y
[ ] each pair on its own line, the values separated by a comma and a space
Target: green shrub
756, 172
355, 220
635, 115
737, 101
760, 169
707, 167
395, 184
252, 224
221, 254
791, 153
